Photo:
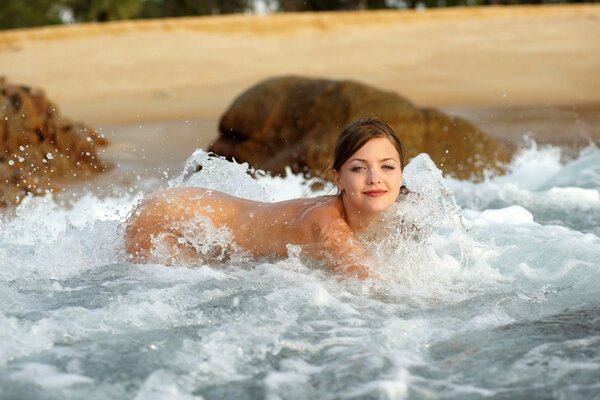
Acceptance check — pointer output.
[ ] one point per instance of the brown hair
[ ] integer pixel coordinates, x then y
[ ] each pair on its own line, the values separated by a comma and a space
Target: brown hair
357, 133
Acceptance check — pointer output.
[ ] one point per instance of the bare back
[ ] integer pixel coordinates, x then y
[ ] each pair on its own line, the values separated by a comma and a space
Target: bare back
261, 229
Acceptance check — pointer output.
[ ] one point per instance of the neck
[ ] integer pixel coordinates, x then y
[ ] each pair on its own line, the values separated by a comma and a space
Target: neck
357, 220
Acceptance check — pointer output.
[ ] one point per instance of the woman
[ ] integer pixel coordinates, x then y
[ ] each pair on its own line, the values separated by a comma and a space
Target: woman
367, 170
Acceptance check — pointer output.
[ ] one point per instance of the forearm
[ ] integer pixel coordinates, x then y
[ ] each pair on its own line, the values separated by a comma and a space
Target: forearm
345, 254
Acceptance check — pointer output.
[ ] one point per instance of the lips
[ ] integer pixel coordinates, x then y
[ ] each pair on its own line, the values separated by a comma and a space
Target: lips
375, 193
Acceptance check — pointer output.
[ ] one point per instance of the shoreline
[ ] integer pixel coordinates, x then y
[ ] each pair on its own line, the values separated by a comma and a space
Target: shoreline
570, 127
564, 126
165, 145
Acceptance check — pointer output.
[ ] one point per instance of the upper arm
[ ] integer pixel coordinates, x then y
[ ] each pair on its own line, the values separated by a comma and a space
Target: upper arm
337, 246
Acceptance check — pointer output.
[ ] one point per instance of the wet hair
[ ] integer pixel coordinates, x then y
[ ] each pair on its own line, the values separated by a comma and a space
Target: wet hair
357, 133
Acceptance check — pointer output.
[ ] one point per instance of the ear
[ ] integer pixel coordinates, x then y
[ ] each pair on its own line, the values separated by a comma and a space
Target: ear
337, 180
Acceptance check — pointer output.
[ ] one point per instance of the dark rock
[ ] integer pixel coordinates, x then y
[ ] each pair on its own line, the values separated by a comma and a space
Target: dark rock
294, 121
39, 150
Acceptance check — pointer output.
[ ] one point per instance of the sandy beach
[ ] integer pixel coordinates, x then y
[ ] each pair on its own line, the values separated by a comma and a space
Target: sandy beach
498, 66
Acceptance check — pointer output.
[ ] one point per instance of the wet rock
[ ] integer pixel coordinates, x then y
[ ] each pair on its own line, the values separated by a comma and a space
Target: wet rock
41, 151
294, 121
460, 149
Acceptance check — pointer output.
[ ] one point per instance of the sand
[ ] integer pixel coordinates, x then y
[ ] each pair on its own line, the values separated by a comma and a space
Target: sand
484, 63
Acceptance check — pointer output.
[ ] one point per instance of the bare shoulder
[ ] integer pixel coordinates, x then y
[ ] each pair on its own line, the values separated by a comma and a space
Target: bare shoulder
333, 242
323, 211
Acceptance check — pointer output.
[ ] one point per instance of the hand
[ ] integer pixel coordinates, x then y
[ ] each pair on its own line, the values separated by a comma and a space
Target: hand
358, 271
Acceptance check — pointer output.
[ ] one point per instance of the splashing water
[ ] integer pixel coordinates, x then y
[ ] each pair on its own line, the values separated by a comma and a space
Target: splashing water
486, 290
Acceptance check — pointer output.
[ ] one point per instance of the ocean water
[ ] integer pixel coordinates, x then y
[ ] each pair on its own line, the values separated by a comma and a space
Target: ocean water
486, 290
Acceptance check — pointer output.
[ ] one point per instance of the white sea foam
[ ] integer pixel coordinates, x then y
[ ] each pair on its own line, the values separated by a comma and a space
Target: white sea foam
499, 275
47, 376
511, 215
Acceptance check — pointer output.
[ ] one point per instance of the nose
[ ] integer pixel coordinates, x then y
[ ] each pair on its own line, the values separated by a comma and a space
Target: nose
374, 177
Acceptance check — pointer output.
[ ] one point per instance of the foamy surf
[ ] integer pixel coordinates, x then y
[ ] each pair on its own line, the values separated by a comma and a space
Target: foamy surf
493, 294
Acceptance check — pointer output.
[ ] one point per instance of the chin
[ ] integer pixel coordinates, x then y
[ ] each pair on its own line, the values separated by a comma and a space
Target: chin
378, 207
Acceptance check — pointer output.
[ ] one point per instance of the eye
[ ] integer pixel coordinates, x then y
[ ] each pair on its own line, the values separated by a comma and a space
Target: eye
358, 169
388, 167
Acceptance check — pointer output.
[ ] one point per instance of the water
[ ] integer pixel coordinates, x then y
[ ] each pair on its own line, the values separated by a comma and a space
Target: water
490, 290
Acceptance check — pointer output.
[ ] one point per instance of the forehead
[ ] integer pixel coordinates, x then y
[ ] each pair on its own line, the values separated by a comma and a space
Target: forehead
377, 148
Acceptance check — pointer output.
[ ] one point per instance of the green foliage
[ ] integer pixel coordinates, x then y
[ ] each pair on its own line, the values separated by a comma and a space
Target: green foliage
21, 13
179, 8
330, 5
318, 5
103, 10
29, 13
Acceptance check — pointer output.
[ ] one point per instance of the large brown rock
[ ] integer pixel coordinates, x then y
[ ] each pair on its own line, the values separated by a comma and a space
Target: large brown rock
39, 150
294, 121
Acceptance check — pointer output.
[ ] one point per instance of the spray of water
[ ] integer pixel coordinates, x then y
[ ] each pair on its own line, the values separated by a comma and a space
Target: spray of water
474, 277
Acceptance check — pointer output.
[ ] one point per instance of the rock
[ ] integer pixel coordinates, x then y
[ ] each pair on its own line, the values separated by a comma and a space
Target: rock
39, 150
294, 121
460, 149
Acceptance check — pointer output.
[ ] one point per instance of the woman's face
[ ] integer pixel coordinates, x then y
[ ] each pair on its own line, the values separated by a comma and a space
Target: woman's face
371, 178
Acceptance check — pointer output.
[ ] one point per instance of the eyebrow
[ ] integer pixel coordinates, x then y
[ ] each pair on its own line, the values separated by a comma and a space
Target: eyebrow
382, 160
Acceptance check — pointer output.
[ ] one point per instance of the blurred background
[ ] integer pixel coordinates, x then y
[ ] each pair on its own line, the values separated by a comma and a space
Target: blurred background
30, 13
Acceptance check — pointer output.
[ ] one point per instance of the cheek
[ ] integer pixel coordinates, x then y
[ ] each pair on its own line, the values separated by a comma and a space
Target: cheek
395, 179
400, 178
349, 182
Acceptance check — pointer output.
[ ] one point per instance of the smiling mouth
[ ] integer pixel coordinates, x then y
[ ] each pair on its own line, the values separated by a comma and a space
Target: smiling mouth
375, 193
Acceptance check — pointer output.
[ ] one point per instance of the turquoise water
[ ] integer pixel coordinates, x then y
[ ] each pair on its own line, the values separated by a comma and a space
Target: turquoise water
494, 295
